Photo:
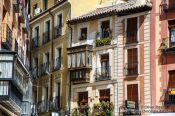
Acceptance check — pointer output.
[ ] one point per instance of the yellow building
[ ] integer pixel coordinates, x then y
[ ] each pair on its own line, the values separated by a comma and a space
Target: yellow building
48, 55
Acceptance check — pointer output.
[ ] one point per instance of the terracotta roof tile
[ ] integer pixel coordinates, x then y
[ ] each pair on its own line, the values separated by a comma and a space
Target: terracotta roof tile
111, 10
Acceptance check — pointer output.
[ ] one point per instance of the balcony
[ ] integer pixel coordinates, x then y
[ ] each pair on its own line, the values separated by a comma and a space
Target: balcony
11, 97
44, 68
131, 69
80, 76
43, 106
57, 63
55, 103
46, 37
103, 73
131, 37
6, 35
104, 38
35, 42
58, 31
80, 57
19, 81
35, 72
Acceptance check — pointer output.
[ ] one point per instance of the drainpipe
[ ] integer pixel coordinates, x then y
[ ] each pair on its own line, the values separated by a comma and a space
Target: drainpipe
51, 68
70, 84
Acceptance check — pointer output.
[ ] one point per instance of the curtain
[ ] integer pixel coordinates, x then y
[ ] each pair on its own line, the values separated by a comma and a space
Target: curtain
69, 61
73, 60
83, 58
78, 59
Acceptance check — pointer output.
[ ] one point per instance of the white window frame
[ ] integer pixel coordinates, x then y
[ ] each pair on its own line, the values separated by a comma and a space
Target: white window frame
104, 19
80, 26
138, 29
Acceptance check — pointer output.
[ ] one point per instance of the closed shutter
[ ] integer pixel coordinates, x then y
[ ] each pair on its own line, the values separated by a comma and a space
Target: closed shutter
171, 83
132, 56
132, 92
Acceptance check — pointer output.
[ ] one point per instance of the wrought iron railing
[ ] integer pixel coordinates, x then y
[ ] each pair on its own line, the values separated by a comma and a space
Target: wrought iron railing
57, 63
131, 36
58, 31
35, 42
35, 72
131, 69
84, 79
46, 37
43, 106
44, 69
55, 103
103, 73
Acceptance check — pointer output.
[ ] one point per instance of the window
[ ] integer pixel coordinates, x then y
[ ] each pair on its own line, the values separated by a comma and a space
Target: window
105, 65
171, 86
58, 28
58, 58
172, 37
104, 95
78, 74
36, 66
132, 93
47, 57
46, 95
82, 98
47, 32
45, 4
36, 37
131, 32
58, 89
4, 87
132, 61
83, 33
105, 27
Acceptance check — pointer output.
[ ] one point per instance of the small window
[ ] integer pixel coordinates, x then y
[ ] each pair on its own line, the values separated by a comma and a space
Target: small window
105, 29
105, 95
83, 33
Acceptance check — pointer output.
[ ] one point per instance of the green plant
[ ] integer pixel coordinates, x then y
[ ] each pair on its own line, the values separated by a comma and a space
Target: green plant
164, 43
103, 41
81, 111
103, 109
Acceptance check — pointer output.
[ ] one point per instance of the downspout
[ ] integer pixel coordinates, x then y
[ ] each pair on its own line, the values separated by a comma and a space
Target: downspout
51, 68
70, 84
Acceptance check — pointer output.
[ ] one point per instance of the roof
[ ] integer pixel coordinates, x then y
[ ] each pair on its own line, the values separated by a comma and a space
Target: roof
120, 9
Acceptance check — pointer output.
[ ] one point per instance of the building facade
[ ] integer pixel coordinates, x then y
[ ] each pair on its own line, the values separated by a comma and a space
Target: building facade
162, 45
48, 56
15, 80
120, 65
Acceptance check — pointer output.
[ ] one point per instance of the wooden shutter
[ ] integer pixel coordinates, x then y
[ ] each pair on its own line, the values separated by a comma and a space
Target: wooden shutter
132, 55
132, 92
132, 24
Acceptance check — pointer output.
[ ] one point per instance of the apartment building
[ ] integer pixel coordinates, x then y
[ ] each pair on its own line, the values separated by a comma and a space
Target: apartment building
91, 59
48, 56
163, 58
114, 43
15, 80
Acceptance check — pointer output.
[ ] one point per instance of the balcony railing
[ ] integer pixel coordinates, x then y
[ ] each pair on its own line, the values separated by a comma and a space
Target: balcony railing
131, 69
131, 37
57, 63
35, 42
44, 68
46, 37
43, 106
58, 31
84, 79
6, 35
55, 103
35, 72
103, 73
19, 81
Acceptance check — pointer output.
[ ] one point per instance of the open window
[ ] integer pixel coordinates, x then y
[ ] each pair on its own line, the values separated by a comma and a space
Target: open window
83, 33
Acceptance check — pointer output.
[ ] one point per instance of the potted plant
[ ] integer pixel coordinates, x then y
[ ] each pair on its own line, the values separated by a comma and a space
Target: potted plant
103, 109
